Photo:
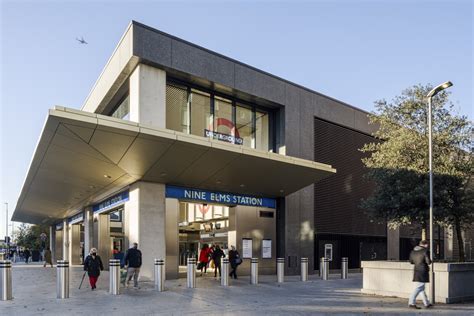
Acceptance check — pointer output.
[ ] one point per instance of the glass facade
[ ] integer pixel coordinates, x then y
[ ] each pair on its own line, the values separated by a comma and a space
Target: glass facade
196, 112
123, 110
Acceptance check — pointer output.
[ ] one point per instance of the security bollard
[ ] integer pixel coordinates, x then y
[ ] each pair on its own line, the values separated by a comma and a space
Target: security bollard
326, 269
304, 269
5, 280
191, 273
254, 271
321, 267
62, 280
159, 275
280, 270
114, 280
225, 272
344, 267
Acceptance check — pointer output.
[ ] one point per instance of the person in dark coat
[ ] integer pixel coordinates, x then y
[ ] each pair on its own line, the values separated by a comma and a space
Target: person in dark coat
234, 260
27, 254
217, 255
133, 260
93, 265
47, 258
420, 257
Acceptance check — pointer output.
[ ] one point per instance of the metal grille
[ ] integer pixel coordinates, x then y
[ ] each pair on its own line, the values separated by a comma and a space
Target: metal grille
177, 117
337, 198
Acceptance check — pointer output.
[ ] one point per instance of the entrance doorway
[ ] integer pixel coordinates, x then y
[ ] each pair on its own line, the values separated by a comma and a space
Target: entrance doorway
199, 225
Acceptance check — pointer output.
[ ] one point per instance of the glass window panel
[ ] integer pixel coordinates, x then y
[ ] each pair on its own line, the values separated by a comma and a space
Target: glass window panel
262, 131
200, 113
244, 126
177, 108
123, 110
218, 211
191, 214
226, 211
223, 122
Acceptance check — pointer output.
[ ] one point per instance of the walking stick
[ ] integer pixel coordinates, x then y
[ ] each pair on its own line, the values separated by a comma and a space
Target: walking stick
83, 276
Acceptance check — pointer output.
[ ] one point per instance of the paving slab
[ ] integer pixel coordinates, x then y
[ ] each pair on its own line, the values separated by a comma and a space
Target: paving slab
34, 291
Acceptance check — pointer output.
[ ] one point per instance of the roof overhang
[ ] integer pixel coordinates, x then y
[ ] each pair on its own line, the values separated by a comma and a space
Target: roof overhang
82, 157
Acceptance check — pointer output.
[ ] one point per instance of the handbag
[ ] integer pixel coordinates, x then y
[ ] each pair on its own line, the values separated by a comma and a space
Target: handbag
238, 260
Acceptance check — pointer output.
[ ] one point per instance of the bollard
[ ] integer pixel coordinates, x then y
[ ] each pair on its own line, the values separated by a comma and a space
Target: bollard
62, 280
191, 273
326, 269
254, 271
280, 270
225, 272
159, 275
304, 269
344, 267
321, 267
5, 280
114, 276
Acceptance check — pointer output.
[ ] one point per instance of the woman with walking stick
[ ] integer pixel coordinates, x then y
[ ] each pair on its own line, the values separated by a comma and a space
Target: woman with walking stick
93, 265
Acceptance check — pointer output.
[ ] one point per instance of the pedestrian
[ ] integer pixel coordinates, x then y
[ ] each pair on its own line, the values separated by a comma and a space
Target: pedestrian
204, 258
47, 258
27, 254
133, 260
235, 261
93, 265
217, 255
420, 257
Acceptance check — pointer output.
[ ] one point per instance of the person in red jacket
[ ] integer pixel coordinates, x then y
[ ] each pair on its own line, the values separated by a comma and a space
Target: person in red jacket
204, 258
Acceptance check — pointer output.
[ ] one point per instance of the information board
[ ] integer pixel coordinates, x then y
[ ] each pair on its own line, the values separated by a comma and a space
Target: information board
328, 251
246, 248
266, 249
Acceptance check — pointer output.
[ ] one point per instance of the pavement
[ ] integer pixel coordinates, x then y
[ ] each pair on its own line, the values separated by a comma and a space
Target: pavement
34, 291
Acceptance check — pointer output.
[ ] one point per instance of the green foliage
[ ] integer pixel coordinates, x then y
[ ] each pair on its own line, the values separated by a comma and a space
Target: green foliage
398, 163
29, 236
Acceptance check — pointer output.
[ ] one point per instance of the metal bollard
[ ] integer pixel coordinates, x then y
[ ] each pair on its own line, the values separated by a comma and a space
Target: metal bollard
304, 269
225, 272
344, 267
326, 269
62, 280
5, 280
114, 276
280, 270
159, 275
254, 271
191, 273
321, 267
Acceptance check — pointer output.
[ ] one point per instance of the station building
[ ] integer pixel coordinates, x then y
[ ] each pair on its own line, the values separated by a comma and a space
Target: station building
177, 146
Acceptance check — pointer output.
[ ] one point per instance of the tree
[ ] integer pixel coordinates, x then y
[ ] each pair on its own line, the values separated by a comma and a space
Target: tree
398, 162
29, 236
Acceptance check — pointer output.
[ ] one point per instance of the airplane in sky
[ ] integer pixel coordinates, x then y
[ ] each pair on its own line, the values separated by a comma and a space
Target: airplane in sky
81, 40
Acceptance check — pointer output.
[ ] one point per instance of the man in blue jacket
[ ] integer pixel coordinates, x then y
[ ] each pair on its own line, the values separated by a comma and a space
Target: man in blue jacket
133, 262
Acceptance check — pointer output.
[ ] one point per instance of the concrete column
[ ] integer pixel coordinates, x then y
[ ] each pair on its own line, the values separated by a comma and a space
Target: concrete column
58, 245
65, 240
104, 247
75, 246
148, 96
88, 230
145, 215
52, 242
393, 244
448, 243
172, 239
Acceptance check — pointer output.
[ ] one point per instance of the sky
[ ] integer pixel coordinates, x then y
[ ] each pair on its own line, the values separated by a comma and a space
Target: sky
355, 51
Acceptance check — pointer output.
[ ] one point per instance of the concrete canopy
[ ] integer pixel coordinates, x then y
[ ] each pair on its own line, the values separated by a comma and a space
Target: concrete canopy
83, 157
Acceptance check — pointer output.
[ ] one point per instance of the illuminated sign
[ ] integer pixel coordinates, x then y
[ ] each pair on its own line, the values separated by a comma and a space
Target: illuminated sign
76, 218
111, 202
218, 197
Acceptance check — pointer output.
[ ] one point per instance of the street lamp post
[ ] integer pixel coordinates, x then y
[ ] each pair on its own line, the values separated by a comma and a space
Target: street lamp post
430, 95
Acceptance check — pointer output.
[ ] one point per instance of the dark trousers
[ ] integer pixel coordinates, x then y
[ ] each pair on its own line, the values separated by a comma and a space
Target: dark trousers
204, 266
217, 267
233, 272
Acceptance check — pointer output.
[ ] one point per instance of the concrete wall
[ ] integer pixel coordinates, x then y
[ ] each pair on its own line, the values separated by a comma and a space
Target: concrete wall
172, 239
58, 249
145, 218
245, 222
453, 281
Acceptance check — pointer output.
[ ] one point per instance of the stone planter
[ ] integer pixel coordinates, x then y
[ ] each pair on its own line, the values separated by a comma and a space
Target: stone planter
454, 282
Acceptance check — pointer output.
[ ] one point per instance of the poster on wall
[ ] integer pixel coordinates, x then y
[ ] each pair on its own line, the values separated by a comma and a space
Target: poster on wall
266, 249
247, 248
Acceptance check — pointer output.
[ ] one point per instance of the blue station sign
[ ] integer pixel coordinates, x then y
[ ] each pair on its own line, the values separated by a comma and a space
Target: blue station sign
204, 196
76, 218
111, 202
